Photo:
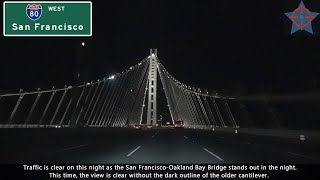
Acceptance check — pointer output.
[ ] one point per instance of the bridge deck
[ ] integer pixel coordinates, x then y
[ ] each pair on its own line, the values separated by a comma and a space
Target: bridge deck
123, 145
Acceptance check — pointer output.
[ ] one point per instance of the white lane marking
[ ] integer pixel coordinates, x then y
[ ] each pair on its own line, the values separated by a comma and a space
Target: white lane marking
295, 154
133, 151
213, 154
154, 134
185, 137
83, 145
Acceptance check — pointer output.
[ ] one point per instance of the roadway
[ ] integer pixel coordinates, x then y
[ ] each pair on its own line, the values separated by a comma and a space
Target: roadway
169, 146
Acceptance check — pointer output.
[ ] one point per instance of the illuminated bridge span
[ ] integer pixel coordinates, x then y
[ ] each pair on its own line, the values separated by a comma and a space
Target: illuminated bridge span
115, 107
117, 101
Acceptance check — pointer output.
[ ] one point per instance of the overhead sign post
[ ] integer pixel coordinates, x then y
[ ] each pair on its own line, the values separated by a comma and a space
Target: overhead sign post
47, 18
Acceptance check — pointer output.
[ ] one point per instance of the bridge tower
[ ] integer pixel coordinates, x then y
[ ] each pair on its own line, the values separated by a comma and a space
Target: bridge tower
152, 89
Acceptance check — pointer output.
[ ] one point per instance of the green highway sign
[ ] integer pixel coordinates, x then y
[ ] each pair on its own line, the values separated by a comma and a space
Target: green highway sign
47, 18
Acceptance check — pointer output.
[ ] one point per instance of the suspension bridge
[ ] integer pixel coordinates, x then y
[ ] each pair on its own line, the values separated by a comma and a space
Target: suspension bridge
117, 101
94, 122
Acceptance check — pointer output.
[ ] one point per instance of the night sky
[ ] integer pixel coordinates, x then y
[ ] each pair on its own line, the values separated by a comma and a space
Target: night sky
227, 45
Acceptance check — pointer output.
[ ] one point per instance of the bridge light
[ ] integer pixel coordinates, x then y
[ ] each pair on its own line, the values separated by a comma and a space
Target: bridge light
111, 77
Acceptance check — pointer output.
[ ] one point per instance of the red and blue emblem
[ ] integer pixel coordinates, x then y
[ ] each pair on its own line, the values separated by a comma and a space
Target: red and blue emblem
301, 18
34, 11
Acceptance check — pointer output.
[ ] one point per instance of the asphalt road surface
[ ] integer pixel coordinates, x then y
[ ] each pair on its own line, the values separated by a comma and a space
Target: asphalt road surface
156, 146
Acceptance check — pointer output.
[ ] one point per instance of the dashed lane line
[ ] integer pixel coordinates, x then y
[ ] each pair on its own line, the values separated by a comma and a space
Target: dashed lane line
133, 151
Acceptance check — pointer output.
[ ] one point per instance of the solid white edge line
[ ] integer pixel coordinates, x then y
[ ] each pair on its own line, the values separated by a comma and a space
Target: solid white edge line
213, 154
74, 147
133, 151
295, 154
